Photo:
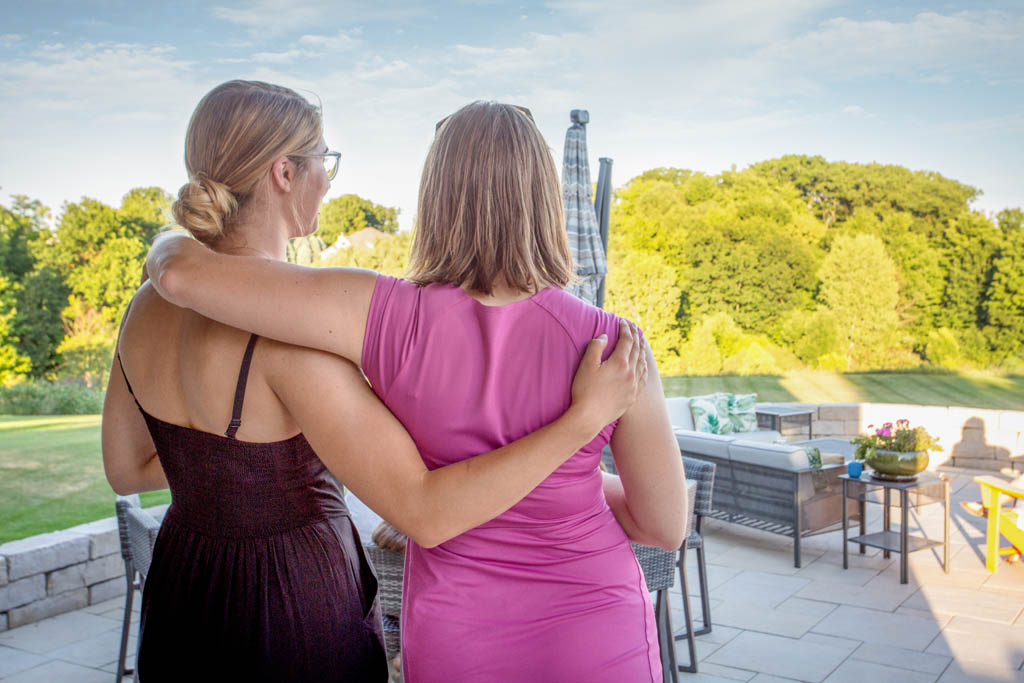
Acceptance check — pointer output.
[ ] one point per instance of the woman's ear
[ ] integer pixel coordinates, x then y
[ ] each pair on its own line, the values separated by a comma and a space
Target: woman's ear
282, 172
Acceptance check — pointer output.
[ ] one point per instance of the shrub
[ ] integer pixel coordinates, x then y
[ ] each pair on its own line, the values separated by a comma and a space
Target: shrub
46, 398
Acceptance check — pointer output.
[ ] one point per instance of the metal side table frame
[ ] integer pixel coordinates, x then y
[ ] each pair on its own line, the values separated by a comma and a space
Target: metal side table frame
902, 542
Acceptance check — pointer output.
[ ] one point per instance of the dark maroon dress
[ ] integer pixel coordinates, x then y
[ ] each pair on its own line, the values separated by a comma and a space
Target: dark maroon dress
258, 573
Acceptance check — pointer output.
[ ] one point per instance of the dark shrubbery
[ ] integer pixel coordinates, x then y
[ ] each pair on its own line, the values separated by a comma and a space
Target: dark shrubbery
46, 398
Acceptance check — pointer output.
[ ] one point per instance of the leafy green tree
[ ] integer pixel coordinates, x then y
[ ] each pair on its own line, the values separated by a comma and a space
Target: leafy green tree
642, 288
971, 245
860, 287
1004, 297
88, 344
148, 209
388, 256
305, 251
13, 363
40, 301
350, 212
20, 225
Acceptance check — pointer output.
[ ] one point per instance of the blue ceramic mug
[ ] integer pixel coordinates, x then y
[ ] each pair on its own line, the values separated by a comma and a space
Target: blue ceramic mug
854, 468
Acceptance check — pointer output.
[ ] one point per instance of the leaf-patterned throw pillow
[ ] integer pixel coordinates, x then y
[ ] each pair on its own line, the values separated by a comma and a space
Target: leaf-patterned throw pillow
711, 413
742, 412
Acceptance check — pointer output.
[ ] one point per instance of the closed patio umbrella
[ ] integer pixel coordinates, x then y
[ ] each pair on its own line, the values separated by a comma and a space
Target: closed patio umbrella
580, 219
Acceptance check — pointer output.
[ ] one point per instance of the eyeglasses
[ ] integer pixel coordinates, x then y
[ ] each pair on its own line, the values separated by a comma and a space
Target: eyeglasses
331, 161
524, 110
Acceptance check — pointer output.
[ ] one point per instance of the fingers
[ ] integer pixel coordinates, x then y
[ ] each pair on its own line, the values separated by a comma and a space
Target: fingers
637, 349
595, 348
623, 353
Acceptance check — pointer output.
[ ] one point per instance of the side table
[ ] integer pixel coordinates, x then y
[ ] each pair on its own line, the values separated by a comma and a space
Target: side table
927, 488
775, 417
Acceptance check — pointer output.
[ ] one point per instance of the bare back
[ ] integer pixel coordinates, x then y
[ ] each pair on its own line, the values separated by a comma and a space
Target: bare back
184, 369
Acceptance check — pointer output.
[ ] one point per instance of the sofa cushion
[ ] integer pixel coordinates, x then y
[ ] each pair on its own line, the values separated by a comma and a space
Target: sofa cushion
764, 436
711, 413
779, 456
742, 412
679, 414
698, 443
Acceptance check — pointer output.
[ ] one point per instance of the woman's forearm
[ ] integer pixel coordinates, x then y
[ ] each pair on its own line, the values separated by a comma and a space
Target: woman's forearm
487, 485
320, 308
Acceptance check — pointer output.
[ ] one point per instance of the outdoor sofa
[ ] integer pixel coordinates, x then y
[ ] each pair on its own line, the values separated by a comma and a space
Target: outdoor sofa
763, 484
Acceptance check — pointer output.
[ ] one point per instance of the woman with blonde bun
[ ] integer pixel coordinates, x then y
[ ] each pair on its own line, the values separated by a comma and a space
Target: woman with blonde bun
258, 573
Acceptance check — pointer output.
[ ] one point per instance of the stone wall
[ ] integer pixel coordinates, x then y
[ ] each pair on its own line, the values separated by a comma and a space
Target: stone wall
970, 437
45, 575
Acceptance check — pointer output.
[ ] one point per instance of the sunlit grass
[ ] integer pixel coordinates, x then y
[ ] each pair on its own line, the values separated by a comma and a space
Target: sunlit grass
924, 388
51, 475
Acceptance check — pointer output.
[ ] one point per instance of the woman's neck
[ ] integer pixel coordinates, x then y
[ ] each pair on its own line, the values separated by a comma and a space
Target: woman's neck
247, 239
501, 294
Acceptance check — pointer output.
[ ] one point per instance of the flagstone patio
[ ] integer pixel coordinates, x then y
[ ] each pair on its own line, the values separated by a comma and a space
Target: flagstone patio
772, 622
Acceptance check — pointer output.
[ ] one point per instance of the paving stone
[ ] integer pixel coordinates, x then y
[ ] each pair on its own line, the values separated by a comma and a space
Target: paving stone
94, 651
883, 597
1003, 607
726, 672
103, 537
22, 592
48, 607
839, 411
848, 644
858, 671
810, 608
826, 568
1008, 577
1000, 652
765, 678
104, 569
873, 626
50, 634
778, 656
829, 427
44, 553
900, 658
3, 622
763, 619
979, 672
101, 592
59, 671
3, 571
759, 588
63, 580
12, 661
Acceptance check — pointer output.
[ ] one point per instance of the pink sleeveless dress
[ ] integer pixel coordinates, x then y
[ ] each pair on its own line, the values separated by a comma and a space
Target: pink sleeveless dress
550, 590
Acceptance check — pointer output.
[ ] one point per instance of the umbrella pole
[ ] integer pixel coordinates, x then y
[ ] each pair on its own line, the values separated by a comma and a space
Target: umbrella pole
602, 206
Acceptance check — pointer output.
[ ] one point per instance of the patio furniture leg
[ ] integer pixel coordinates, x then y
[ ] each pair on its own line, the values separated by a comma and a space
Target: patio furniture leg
796, 526
689, 634
945, 529
705, 598
846, 556
903, 535
862, 505
666, 643
126, 624
886, 525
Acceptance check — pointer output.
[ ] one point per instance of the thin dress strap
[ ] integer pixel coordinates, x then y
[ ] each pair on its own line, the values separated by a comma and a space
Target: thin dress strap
129, 384
243, 377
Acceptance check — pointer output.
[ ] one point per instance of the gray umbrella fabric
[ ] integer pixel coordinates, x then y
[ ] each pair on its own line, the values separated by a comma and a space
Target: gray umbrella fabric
580, 219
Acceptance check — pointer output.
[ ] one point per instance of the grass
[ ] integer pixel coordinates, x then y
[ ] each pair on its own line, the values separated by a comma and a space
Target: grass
51, 470
919, 388
51, 475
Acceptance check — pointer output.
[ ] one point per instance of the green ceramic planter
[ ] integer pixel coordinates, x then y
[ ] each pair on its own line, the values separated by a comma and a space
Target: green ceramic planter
897, 466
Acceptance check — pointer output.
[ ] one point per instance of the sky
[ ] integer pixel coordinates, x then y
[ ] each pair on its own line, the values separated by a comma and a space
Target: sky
95, 96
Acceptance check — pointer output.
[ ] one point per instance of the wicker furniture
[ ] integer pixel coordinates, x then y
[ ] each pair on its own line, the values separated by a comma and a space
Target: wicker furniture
137, 530
771, 486
390, 565
702, 474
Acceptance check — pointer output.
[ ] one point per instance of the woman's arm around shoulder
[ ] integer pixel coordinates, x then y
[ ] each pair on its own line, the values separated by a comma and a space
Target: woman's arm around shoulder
369, 450
649, 497
322, 308
130, 460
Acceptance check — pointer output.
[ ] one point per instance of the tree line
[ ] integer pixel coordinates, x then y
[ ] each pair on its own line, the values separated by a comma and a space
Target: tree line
792, 263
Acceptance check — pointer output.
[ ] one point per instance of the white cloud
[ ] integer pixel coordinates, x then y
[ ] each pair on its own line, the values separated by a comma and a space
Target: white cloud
9, 39
273, 17
342, 41
854, 109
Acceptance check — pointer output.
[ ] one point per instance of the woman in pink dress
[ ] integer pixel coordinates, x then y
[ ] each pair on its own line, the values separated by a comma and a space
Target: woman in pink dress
476, 349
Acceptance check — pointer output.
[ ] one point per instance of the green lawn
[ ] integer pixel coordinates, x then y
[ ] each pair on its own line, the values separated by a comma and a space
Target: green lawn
929, 389
51, 472
51, 475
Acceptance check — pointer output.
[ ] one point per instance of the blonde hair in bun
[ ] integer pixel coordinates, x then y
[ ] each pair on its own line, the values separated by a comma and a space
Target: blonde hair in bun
236, 132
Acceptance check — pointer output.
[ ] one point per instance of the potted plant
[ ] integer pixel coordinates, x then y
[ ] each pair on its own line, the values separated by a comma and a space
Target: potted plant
896, 452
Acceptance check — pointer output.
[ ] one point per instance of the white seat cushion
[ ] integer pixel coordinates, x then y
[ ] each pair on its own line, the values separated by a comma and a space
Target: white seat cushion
679, 414
699, 443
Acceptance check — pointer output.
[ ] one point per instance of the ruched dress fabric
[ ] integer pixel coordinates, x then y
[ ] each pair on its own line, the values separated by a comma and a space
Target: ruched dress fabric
258, 573
550, 590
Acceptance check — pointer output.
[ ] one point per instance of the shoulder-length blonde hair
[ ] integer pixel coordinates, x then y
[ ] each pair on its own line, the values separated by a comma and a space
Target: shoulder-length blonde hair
490, 205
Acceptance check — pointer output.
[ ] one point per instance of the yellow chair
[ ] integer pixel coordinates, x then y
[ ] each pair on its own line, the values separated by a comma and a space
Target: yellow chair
1001, 521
